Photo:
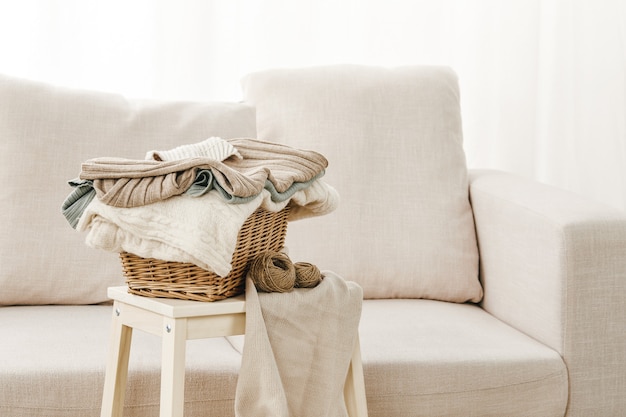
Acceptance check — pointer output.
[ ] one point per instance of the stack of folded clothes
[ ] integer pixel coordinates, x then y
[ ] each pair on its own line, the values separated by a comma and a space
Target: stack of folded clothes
188, 204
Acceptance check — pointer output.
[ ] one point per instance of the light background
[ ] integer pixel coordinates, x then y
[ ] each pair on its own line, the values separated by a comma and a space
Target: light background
543, 82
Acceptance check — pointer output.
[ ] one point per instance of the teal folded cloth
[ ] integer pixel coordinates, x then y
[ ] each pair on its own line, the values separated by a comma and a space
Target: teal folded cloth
78, 200
205, 182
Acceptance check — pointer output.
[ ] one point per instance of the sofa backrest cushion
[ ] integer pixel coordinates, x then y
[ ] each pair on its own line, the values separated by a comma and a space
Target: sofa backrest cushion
46, 132
393, 138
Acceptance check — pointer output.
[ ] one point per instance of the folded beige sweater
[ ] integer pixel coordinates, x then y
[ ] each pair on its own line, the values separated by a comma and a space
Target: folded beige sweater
297, 350
130, 183
233, 181
284, 164
135, 192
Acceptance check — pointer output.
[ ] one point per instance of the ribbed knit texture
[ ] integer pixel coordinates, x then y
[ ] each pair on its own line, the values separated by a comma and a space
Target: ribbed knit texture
213, 147
134, 192
131, 183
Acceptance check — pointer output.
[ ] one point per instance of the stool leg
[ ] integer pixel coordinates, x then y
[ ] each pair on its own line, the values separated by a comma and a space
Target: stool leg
354, 389
117, 366
173, 367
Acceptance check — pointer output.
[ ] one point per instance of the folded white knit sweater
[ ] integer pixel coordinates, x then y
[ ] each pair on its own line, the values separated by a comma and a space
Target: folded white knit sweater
214, 147
202, 231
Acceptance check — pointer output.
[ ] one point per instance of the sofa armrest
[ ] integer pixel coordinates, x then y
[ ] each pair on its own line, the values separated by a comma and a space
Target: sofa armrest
553, 265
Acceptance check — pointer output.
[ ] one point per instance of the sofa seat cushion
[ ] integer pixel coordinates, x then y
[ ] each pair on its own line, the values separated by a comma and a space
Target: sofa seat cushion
432, 358
53, 358
420, 358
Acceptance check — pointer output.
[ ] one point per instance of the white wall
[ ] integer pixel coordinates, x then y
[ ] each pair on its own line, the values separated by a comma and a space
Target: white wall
543, 81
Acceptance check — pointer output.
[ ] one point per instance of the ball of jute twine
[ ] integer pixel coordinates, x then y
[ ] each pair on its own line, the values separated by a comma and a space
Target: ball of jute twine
307, 275
272, 272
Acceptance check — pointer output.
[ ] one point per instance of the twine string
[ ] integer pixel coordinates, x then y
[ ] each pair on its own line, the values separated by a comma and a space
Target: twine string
274, 272
307, 275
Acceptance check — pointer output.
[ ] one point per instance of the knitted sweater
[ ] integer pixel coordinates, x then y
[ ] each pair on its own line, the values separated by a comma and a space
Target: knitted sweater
201, 230
130, 183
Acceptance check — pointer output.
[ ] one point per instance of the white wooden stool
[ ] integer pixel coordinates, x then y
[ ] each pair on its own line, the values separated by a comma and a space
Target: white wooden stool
177, 321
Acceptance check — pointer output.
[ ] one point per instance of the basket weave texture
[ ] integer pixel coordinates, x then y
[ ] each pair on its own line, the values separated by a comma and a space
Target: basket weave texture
262, 231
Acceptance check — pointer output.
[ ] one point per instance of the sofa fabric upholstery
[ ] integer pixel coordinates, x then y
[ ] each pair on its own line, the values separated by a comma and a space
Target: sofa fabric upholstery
393, 138
46, 133
53, 366
427, 358
456, 360
546, 339
553, 265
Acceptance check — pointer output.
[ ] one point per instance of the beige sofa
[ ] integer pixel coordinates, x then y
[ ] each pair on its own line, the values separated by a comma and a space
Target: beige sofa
486, 294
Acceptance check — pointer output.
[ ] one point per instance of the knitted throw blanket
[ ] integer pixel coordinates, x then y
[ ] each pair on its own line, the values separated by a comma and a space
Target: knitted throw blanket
201, 230
297, 350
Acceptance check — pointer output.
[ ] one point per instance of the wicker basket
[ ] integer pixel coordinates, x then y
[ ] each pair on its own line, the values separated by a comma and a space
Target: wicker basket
262, 231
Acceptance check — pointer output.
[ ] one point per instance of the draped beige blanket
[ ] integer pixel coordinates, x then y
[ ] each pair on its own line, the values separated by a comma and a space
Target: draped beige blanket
297, 350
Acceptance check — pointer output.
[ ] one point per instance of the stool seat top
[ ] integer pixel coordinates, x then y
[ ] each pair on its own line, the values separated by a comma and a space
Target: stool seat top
176, 308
